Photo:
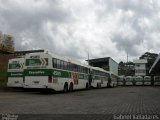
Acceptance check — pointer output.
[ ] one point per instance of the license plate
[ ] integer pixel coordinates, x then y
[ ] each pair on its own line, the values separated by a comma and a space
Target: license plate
36, 82
16, 82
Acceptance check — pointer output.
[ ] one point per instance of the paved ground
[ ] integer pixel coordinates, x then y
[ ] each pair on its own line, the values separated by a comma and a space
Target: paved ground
120, 100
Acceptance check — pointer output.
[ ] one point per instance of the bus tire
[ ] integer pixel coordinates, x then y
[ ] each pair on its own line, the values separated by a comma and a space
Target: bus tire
65, 89
71, 87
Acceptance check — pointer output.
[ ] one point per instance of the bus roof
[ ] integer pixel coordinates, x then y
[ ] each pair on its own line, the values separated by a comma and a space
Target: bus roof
67, 59
16, 59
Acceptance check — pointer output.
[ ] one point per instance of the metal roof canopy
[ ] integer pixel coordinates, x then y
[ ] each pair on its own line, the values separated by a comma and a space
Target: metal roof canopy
99, 59
156, 66
101, 62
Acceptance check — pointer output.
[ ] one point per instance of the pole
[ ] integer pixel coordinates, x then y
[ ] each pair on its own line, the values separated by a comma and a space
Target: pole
88, 57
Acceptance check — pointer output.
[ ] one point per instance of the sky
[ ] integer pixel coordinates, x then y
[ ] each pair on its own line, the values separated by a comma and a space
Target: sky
74, 28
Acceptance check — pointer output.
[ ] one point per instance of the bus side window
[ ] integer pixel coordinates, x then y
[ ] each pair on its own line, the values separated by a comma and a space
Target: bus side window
84, 70
62, 64
65, 65
70, 66
81, 69
58, 64
73, 67
54, 62
76, 68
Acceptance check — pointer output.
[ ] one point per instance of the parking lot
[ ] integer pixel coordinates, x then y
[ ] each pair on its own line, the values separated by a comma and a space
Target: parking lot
120, 100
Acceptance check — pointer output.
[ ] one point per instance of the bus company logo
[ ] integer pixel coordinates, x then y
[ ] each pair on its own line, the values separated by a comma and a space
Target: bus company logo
56, 73
16, 74
36, 72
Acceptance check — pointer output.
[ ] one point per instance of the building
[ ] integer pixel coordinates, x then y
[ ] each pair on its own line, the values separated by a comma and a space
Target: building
106, 63
140, 67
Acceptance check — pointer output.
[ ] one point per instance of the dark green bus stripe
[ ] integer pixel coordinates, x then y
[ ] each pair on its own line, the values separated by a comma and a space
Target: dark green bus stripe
14, 74
51, 72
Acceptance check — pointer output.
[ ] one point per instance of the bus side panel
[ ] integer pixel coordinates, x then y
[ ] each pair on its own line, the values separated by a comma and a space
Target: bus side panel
15, 82
95, 82
57, 84
104, 84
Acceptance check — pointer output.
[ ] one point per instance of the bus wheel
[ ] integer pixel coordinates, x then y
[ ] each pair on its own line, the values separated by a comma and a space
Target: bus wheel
65, 88
71, 87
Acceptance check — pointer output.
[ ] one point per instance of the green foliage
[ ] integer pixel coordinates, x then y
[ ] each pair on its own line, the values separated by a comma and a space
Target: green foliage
151, 57
148, 56
126, 68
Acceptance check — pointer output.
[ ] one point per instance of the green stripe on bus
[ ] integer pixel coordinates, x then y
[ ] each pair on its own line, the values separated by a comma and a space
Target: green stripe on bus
51, 72
60, 73
47, 72
15, 74
38, 72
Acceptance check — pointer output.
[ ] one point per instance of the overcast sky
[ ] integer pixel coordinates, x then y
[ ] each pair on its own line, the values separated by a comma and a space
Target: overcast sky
105, 28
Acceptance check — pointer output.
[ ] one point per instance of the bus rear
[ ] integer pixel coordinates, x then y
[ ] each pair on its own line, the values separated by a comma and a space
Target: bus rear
37, 72
15, 72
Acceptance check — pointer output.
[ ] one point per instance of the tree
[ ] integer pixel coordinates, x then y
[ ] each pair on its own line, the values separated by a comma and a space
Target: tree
126, 68
148, 56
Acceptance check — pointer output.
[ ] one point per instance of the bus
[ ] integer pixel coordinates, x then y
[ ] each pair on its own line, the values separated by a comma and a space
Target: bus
49, 71
156, 80
15, 73
121, 81
129, 80
147, 80
100, 77
138, 80
113, 82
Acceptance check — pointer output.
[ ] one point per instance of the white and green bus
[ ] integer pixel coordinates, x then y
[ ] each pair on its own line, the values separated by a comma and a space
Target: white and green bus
147, 80
100, 77
121, 81
139, 80
156, 80
15, 72
113, 80
46, 71
129, 81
